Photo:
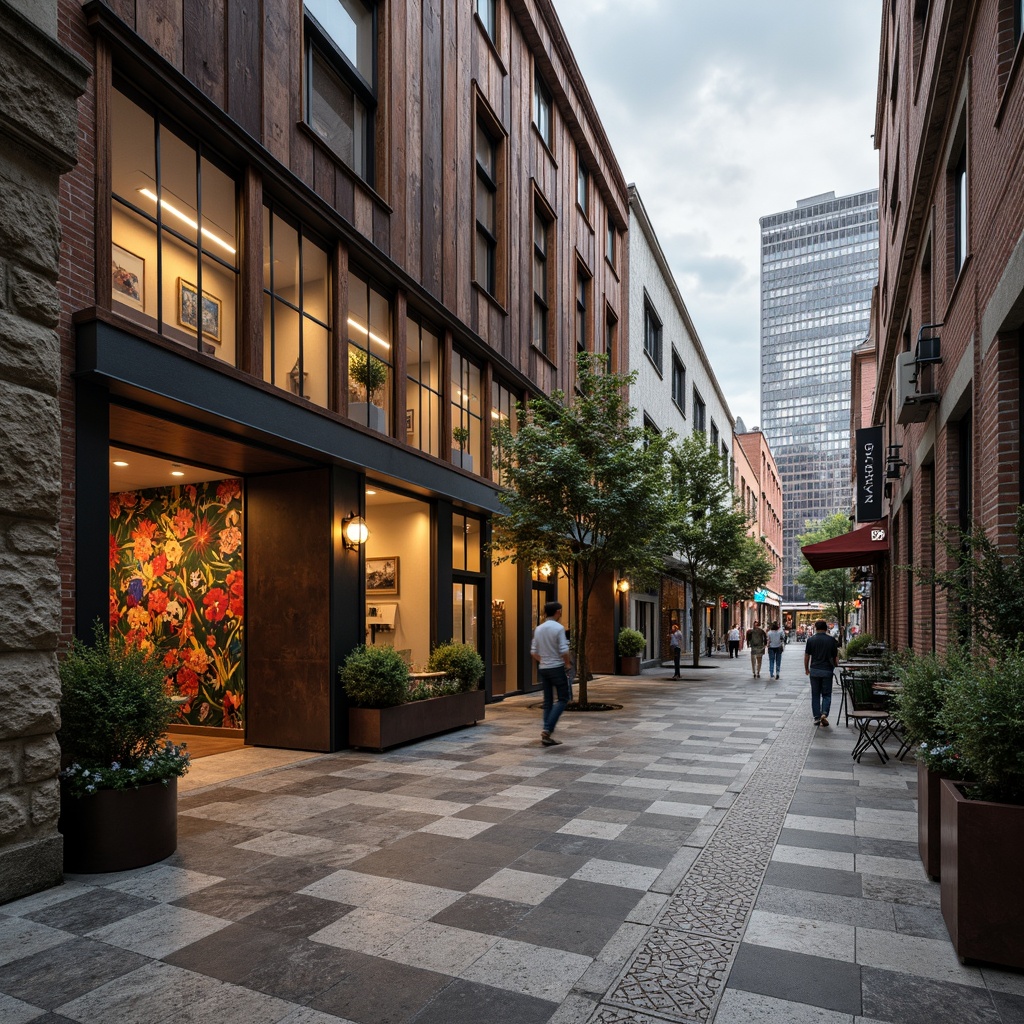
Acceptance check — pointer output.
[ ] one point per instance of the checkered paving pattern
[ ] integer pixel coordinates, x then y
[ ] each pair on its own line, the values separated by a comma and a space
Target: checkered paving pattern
476, 877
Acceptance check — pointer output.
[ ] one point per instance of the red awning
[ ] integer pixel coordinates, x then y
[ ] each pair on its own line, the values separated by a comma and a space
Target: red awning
864, 546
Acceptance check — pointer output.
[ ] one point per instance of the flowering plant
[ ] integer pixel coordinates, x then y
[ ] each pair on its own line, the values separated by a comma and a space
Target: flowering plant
165, 763
115, 711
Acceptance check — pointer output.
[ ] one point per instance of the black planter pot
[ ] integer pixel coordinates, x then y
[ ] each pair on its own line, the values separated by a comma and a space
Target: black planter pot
118, 829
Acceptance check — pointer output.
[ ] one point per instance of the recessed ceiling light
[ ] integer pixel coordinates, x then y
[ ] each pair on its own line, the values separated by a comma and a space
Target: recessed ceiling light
120, 462
177, 472
371, 492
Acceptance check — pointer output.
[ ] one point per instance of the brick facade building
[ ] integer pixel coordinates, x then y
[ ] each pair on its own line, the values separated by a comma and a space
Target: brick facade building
950, 138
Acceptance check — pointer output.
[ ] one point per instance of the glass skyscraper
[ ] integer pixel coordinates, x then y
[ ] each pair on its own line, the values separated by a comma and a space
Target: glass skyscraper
819, 263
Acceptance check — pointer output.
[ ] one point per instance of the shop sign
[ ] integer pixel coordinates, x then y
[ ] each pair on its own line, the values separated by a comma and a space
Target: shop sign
870, 463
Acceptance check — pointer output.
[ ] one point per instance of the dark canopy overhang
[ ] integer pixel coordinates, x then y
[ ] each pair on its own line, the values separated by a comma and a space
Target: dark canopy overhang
864, 546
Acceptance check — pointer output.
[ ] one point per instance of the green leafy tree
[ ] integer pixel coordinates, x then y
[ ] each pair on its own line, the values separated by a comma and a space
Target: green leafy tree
587, 491
708, 525
833, 588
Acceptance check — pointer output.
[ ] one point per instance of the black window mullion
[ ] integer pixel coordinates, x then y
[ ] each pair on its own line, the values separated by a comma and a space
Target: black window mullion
159, 229
199, 247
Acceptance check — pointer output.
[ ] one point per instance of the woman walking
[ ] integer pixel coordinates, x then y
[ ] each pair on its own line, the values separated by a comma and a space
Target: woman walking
776, 643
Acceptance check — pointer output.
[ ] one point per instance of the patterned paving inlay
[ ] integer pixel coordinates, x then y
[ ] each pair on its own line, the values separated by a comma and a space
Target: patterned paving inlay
679, 971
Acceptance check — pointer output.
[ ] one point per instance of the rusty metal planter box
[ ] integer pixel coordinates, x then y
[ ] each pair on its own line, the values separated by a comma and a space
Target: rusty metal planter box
380, 728
982, 884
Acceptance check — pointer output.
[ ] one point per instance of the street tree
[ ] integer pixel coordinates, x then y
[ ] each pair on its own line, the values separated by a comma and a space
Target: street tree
708, 525
586, 491
833, 588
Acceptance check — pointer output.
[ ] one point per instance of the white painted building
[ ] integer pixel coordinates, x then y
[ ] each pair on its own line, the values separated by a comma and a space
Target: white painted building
675, 389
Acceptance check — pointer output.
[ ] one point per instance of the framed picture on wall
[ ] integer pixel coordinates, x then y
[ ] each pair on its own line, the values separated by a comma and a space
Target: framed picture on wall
382, 575
410, 421
128, 278
188, 302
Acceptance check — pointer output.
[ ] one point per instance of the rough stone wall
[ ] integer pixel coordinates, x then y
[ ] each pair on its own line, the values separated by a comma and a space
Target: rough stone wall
39, 82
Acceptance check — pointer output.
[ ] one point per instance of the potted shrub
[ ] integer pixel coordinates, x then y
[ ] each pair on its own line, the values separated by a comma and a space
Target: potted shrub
370, 374
924, 680
460, 662
384, 711
119, 777
631, 643
460, 435
983, 819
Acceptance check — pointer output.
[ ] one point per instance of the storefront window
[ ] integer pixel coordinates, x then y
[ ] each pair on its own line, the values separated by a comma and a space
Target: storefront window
423, 389
503, 410
174, 233
465, 544
398, 573
467, 415
296, 310
464, 613
369, 355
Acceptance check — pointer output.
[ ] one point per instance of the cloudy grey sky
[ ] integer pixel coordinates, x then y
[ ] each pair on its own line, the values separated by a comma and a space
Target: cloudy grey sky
722, 112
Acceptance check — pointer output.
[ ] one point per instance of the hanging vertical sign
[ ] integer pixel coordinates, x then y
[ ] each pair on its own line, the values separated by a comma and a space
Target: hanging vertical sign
870, 464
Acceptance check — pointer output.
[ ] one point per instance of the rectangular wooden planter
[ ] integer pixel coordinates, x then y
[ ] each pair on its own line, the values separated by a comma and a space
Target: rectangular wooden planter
982, 884
380, 728
929, 802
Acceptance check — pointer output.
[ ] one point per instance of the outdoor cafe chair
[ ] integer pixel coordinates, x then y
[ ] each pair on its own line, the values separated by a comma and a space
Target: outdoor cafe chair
871, 716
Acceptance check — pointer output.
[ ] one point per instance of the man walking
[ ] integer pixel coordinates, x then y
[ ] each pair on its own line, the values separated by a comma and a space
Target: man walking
734, 640
757, 641
821, 655
675, 642
550, 649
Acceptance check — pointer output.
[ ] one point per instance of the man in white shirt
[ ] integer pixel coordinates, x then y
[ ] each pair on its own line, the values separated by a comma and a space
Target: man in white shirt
550, 649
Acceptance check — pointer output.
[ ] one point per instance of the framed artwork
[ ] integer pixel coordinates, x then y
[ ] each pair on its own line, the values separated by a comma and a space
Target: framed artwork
382, 575
188, 302
410, 421
128, 278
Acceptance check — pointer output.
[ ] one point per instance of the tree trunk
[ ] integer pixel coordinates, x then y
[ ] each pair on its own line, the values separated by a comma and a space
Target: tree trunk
698, 627
582, 663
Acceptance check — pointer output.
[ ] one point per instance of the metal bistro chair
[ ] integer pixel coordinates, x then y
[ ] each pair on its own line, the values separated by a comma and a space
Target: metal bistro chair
846, 676
871, 716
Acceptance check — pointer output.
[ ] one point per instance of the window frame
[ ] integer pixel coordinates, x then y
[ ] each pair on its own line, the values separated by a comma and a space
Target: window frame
487, 179
542, 304
700, 412
582, 185
961, 212
543, 109
316, 36
678, 382
583, 280
653, 328
489, 24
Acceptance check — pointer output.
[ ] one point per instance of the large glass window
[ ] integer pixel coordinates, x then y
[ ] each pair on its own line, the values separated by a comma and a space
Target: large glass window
369, 355
467, 415
174, 232
423, 388
610, 327
466, 536
399, 575
699, 412
296, 310
486, 210
541, 326
503, 410
341, 40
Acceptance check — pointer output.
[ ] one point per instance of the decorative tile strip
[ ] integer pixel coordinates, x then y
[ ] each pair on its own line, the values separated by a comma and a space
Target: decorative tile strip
679, 971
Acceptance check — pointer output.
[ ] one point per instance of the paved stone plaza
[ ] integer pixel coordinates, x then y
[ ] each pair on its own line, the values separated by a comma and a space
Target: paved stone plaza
703, 854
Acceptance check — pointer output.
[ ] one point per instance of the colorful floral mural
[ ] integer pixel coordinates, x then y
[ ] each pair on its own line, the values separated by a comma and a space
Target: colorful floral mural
177, 584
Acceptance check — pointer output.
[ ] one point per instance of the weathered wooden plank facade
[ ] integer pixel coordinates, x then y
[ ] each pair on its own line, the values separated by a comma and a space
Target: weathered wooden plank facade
229, 149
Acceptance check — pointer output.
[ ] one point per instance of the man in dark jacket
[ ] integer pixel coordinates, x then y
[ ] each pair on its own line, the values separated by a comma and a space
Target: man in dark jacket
821, 655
